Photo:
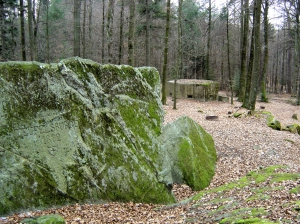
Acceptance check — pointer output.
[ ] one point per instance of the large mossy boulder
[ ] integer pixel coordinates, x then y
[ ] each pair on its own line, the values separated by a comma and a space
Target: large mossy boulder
188, 154
79, 131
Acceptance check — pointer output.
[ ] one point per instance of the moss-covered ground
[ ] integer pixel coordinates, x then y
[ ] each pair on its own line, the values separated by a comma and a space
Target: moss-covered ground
228, 203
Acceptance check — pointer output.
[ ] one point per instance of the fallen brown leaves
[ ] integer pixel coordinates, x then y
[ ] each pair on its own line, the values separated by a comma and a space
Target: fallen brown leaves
109, 213
242, 144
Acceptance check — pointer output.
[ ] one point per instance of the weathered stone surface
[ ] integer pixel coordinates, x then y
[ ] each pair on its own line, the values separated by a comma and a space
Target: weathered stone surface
78, 131
188, 154
46, 219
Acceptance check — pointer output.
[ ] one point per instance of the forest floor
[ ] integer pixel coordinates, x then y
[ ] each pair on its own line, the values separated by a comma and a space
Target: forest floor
242, 188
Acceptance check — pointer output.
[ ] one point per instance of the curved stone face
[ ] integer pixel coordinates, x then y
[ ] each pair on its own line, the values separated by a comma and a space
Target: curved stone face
188, 154
78, 131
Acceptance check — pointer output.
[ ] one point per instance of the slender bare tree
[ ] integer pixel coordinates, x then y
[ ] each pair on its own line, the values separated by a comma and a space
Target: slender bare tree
131, 32
166, 49
264, 97
178, 73
22, 21
77, 9
30, 30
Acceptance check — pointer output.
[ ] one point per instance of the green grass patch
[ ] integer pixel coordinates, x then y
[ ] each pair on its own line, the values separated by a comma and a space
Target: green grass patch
258, 176
222, 208
244, 214
258, 197
253, 221
262, 190
278, 177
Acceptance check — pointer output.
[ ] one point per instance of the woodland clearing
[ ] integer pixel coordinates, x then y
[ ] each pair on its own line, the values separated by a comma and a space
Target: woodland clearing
246, 146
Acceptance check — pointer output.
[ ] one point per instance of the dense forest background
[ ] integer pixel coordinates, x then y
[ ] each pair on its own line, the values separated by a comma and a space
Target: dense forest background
237, 43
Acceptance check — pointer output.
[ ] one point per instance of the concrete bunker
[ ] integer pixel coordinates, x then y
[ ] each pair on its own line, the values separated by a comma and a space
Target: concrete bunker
199, 89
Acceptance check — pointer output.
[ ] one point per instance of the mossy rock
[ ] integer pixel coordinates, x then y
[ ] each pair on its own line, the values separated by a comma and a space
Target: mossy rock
188, 155
79, 131
293, 128
273, 123
237, 115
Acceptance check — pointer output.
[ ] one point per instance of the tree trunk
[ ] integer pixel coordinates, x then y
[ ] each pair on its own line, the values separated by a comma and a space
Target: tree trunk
282, 82
30, 30
76, 47
83, 29
166, 49
147, 41
208, 72
178, 73
109, 29
257, 53
246, 102
2, 30
244, 32
264, 97
36, 22
228, 55
121, 34
22, 20
289, 57
131, 32
90, 23
297, 42
103, 33
47, 32
254, 61
241, 39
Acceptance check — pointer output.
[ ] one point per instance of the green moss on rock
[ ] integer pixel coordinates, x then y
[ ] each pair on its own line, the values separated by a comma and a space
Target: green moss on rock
189, 154
260, 186
273, 123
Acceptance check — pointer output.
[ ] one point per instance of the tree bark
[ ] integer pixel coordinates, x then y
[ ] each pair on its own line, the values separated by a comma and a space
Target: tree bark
103, 33
90, 22
166, 49
178, 73
30, 30
289, 57
264, 97
257, 53
121, 34
254, 61
76, 47
109, 29
244, 32
147, 41
208, 72
228, 56
297, 42
47, 32
83, 29
131, 32
22, 20
36, 22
